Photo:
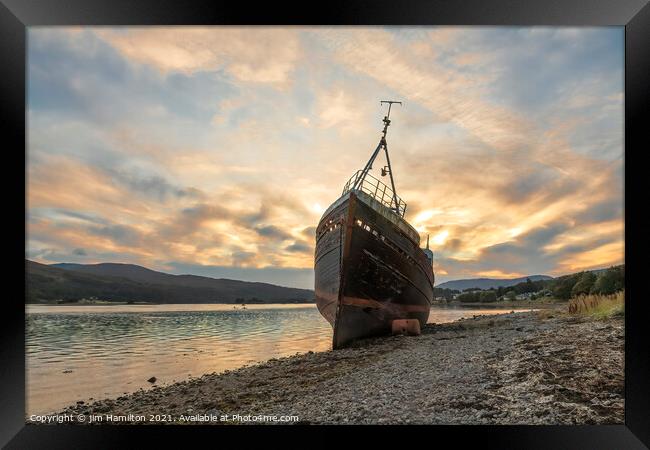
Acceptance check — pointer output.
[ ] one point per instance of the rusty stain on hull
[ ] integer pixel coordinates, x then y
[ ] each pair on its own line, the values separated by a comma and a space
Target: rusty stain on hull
370, 303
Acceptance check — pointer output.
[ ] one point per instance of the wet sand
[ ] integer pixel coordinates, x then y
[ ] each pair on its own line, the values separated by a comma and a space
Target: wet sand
543, 367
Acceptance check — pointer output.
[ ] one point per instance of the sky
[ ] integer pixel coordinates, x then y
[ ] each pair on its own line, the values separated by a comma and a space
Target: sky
214, 151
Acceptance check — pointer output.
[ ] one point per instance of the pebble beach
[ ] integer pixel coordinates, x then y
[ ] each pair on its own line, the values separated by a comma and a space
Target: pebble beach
538, 367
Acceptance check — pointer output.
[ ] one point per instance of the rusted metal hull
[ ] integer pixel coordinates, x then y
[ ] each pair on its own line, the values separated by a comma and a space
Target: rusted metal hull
368, 271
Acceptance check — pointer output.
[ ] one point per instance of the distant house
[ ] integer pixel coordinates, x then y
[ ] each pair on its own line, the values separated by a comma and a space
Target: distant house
533, 295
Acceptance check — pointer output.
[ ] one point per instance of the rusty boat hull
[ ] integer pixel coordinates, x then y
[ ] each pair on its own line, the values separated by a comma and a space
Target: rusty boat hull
369, 269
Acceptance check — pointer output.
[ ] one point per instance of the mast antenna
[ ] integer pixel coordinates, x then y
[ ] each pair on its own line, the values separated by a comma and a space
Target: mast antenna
386, 118
387, 168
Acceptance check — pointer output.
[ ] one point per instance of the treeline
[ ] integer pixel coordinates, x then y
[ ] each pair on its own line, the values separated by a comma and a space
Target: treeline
447, 294
478, 296
604, 282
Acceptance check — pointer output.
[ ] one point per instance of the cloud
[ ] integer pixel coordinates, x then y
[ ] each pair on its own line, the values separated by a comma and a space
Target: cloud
603, 211
339, 108
242, 258
309, 232
257, 55
154, 186
272, 232
121, 234
300, 247
221, 147
293, 277
534, 252
451, 95
192, 219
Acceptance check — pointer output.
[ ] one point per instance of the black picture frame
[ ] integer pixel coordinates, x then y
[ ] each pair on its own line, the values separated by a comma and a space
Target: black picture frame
634, 15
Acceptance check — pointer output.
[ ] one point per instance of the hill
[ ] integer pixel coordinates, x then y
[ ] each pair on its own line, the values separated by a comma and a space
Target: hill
129, 282
487, 283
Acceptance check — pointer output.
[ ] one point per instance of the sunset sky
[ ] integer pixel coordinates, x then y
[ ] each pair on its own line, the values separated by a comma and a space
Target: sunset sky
215, 151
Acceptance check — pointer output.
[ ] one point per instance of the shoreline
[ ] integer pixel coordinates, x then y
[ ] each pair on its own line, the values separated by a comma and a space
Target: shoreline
534, 304
450, 305
543, 367
107, 303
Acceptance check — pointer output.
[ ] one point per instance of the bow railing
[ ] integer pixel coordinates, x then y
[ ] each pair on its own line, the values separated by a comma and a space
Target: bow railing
377, 190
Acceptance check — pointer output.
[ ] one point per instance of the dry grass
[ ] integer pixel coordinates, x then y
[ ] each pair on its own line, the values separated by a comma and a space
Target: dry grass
599, 306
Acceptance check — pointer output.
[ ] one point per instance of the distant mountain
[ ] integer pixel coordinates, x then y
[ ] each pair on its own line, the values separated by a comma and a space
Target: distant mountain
130, 271
129, 282
487, 283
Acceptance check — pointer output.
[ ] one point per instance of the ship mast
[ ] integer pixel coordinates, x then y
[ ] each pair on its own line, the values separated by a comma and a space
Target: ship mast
382, 144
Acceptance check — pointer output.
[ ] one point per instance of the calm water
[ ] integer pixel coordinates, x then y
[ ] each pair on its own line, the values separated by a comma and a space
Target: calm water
82, 352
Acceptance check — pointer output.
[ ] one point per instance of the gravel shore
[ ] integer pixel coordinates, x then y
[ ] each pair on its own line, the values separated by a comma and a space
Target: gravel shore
542, 367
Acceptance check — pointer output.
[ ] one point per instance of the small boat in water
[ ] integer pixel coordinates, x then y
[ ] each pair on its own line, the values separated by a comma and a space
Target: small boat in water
369, 268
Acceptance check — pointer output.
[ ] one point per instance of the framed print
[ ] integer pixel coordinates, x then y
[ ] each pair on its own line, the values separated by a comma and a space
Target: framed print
371, 217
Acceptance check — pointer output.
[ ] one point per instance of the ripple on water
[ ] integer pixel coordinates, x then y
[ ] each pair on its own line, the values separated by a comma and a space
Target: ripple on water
114, 351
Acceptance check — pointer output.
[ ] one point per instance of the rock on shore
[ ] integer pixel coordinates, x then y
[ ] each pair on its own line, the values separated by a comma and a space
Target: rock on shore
524, 368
